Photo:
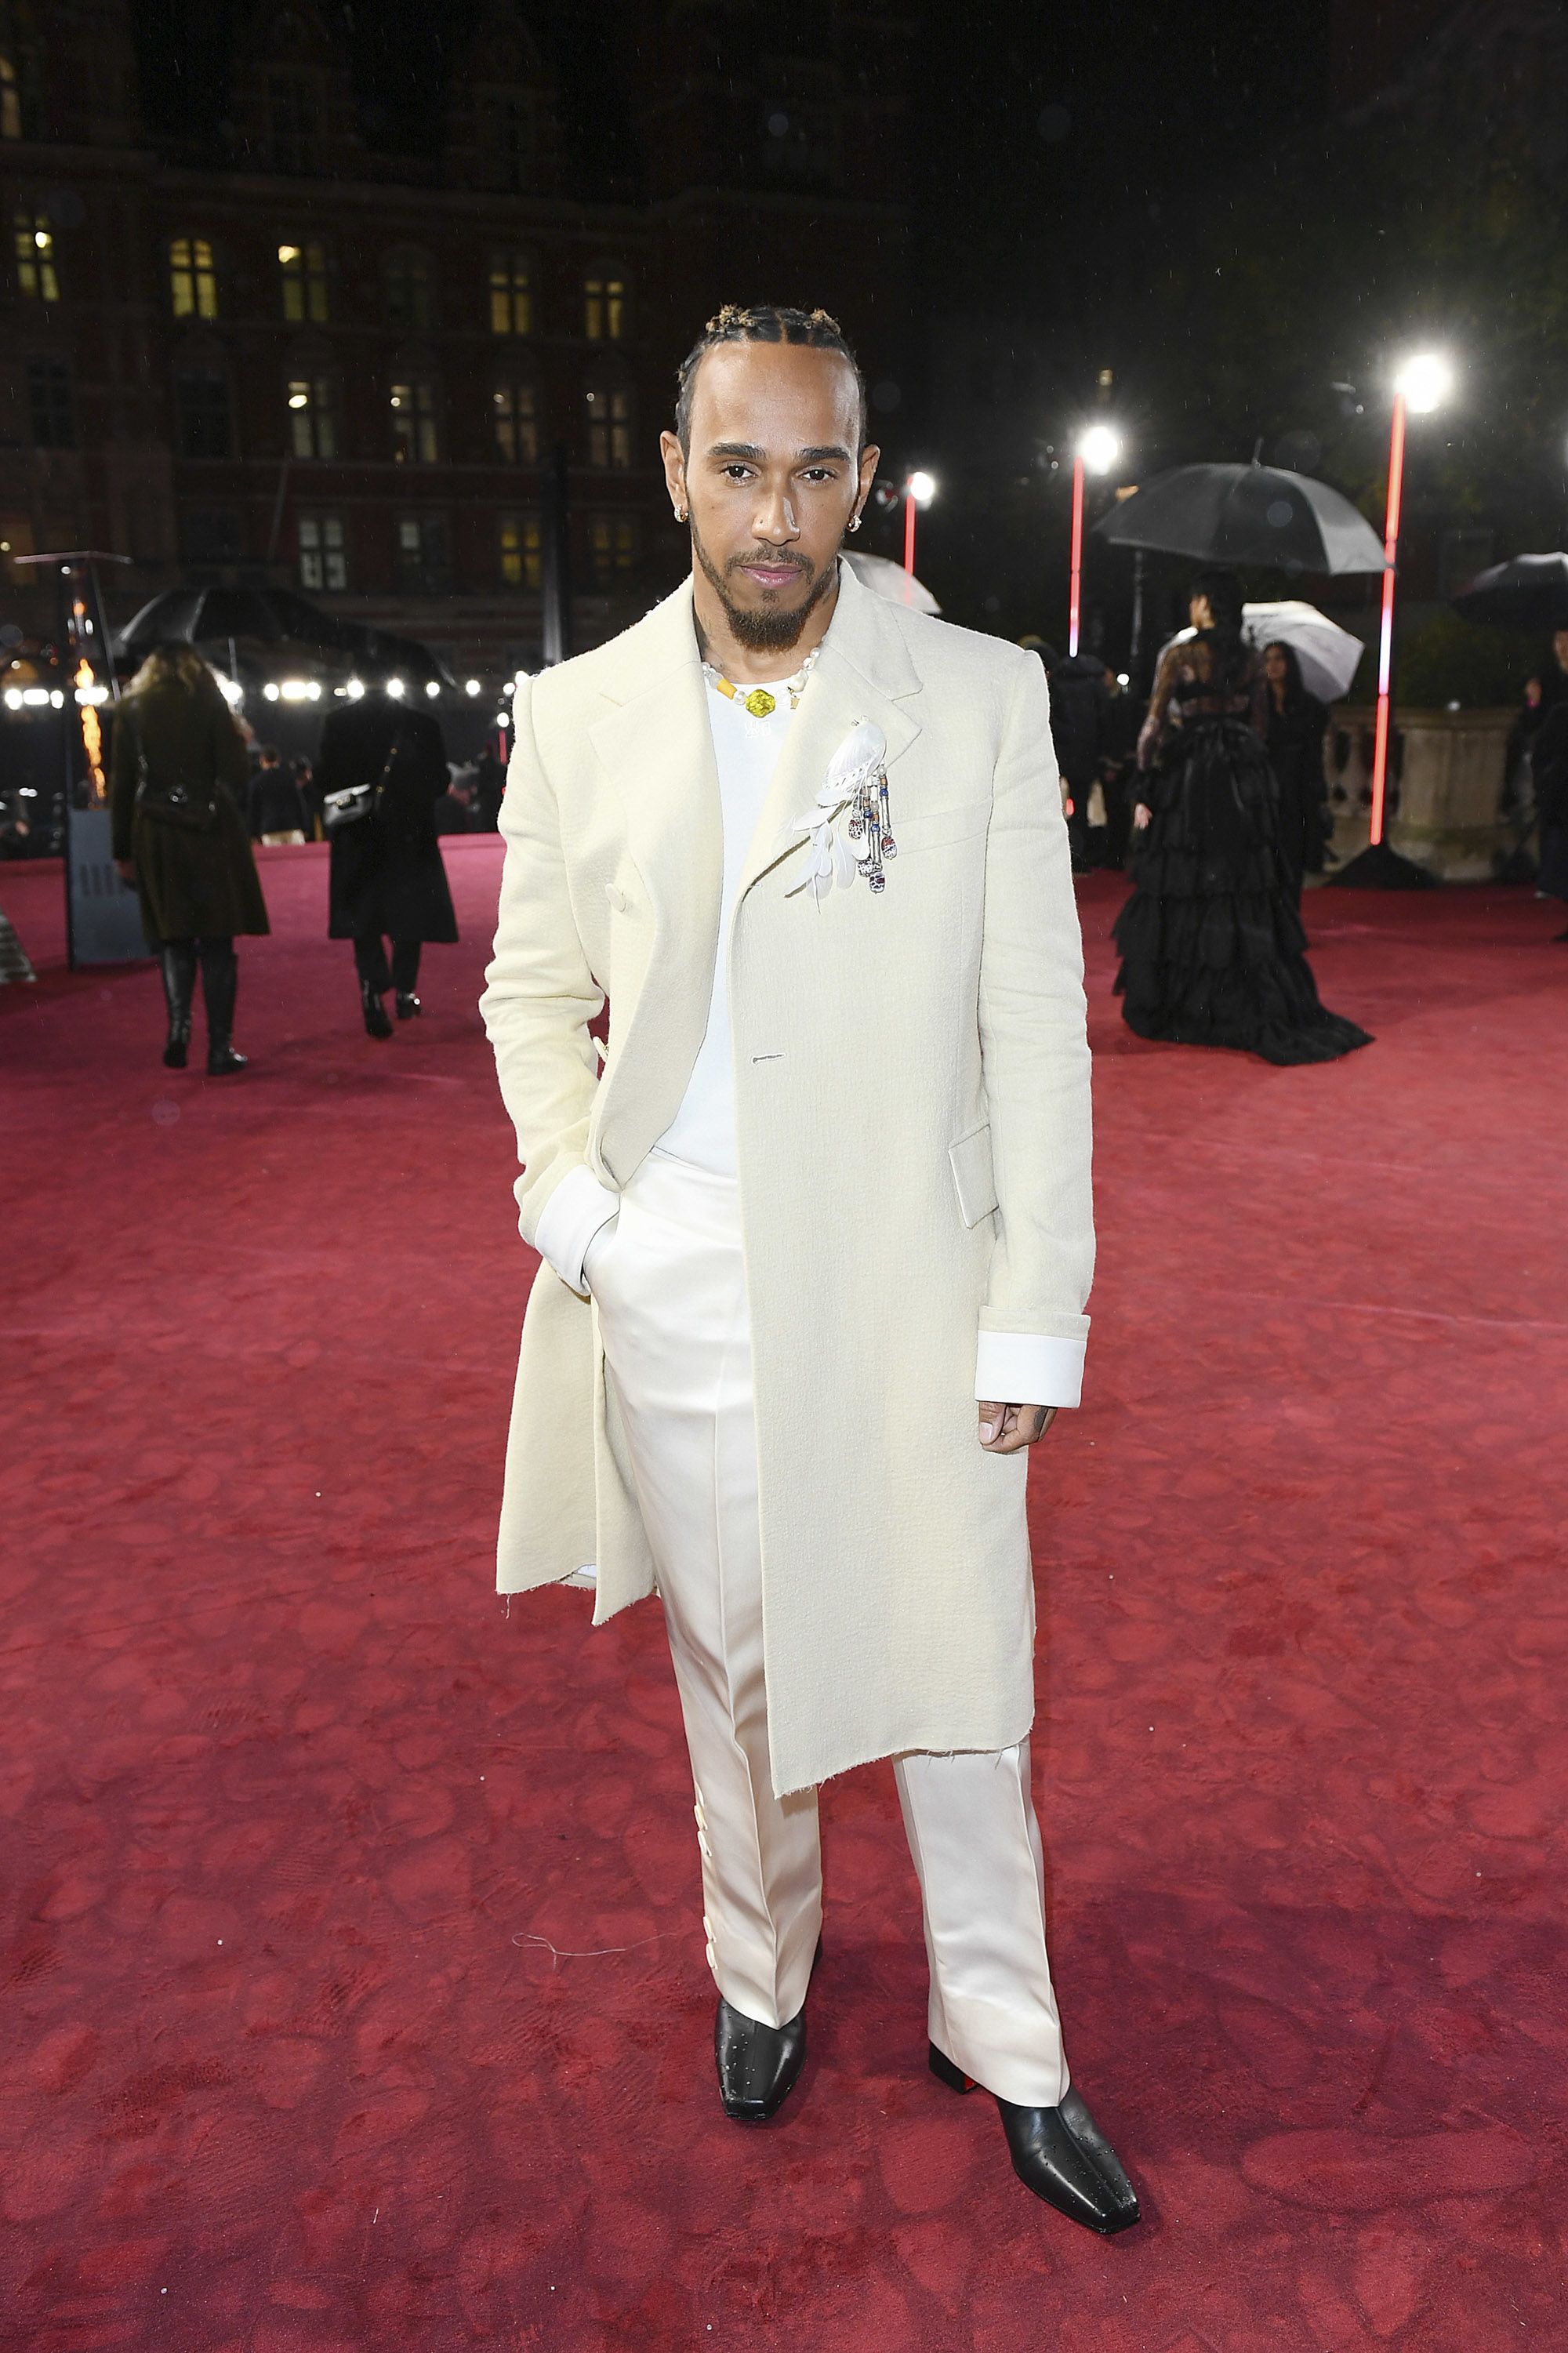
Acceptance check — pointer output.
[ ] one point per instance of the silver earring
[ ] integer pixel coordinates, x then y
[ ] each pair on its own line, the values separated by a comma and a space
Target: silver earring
680, 514
854, 522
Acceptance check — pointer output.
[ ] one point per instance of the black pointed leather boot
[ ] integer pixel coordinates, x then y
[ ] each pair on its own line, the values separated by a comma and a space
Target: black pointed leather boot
178, 965
758, 2065
220, 988
1061, 2155
375, 1021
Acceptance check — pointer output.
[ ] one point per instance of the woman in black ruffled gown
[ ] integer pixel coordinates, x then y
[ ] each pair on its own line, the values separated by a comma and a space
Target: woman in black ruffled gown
1213, 952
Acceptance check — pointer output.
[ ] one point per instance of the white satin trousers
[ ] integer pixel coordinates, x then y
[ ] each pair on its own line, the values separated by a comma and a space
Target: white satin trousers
669, 1286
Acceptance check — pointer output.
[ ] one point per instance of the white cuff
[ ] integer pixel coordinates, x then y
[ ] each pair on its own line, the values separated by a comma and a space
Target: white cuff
579, 1206
1028, 1368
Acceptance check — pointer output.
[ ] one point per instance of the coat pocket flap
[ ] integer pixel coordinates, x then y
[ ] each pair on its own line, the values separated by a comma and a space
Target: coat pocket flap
973, 1174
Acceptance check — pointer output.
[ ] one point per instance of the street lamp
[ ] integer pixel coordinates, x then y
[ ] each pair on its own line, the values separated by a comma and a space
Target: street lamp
920, 489
1422, 383
1096, 450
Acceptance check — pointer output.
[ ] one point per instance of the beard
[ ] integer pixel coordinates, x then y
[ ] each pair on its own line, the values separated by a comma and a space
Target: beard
768, 628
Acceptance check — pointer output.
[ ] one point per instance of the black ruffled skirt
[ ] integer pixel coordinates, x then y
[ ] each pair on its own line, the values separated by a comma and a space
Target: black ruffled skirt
1213, 952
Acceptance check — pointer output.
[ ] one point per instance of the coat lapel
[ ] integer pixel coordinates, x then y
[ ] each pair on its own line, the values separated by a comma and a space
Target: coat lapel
863, 672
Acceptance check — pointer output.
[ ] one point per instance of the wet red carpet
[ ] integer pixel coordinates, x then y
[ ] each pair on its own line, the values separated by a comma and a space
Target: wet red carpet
353, 1994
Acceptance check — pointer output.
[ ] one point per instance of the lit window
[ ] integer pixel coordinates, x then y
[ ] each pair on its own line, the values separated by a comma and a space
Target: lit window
609, 410
303, 271
10, 101
192, 281
49, 403
604, 307
515, 415
511, 294
611, 549
202, 408
313, 425
406, 278
422, 557
521, 561
413, 405
36, 277
323, 561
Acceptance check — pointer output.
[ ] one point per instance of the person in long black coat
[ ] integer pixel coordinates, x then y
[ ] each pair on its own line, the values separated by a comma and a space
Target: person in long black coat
1293, 733
1079, 701
387, 882
1549, 767
178, 770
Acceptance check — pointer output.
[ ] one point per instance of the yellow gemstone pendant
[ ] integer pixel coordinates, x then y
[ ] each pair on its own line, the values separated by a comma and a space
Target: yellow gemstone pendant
761, 704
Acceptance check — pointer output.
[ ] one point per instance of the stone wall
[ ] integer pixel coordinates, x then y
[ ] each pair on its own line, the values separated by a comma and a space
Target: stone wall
1448, 767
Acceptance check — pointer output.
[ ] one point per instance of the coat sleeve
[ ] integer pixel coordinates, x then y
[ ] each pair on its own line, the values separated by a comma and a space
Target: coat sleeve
1034, 1053
539, 994
123, 778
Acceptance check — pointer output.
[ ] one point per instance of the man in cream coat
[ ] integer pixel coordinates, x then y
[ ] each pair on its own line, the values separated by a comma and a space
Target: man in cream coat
816, 1242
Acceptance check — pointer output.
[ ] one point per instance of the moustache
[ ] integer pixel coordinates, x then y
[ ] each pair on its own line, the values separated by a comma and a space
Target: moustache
777, 559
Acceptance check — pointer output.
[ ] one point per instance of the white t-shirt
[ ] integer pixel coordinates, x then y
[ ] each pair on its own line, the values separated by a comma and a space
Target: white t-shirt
746, 751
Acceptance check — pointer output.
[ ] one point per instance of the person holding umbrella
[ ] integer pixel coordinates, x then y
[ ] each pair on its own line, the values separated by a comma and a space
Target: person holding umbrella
381, 772
1213, 952
1297, 722
178, 770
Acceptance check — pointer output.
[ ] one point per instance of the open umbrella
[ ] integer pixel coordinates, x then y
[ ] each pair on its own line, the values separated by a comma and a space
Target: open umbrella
891, 581
1528, 592
1246, 514
195, 616
383, 655
1328, 655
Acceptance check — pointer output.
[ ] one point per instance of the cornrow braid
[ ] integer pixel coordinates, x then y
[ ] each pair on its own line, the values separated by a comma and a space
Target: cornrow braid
761, 322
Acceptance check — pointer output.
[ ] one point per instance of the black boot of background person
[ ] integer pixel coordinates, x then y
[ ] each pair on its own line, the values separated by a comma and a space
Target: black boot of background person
1061, 2155
405, 977
178, 963
220, 987
374, 980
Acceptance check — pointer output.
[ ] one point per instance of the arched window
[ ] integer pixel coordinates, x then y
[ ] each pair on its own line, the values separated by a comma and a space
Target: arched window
312, 417
608, 408
415, 438
34, 238
511, 294
604, 305
514, 420
302, 273
192, 281
405, 284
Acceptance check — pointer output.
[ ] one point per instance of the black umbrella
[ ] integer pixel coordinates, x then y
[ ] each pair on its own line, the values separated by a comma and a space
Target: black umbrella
194, 615
385, 655
1528, 592
1246, 514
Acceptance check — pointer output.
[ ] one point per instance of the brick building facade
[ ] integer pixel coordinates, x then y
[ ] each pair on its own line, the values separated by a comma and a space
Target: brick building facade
317, 362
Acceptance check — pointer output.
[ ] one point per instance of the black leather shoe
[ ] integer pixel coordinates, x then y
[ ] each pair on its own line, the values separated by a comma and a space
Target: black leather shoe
758, 2065
375, 1021
1061, 2155
222, 1061
408, 1005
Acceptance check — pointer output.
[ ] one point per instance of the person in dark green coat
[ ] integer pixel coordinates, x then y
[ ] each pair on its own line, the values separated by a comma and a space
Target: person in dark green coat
178, 772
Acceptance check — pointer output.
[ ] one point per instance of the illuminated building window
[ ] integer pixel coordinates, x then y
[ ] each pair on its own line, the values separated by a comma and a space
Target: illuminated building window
414, 436
203, 414
515, 418
192, 281
10, 100
34, 239
611, 549
405, 284
21, 69
49, 404
604, 307
522, 558
291, 121
609, 412
323, 557
423, 565
313, 423
302, 269
511, 294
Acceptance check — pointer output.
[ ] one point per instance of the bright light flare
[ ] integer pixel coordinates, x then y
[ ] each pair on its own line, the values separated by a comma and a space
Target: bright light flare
432, 688
471, 687
921, 488
396, 689
1426, 380
1099, 445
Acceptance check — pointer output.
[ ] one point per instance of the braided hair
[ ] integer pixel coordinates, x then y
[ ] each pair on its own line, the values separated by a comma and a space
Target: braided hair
761, 322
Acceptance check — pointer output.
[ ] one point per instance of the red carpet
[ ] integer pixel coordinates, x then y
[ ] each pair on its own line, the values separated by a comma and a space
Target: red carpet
354, 1999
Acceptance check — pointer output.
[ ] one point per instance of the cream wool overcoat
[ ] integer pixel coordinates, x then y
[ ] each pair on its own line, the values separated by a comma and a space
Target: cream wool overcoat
912, 1084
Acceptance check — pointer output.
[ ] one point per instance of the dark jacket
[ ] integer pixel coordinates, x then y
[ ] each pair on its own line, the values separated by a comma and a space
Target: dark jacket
386, 872
194, 871
276, 804
1294, 738
1078, 701
1549, 767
